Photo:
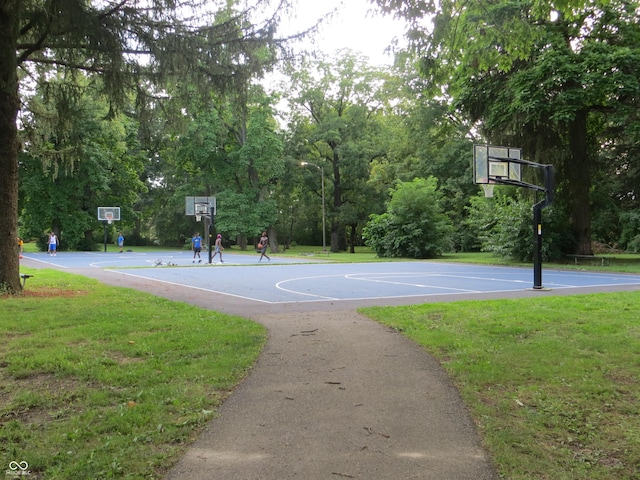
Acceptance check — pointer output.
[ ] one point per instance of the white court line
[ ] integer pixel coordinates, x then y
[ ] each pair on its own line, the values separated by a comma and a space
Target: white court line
196, 288
296, 292
598, 285
379, 277
426, 274
353, 276
371, 278
114, 264
46, 262
320, 298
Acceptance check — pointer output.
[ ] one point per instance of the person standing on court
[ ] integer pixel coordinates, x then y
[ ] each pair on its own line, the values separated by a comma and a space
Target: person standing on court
121, 241
53, 244
262, 246
196, 246
218, 248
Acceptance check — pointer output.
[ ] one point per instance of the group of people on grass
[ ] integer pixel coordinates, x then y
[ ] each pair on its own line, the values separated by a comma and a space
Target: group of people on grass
196, 246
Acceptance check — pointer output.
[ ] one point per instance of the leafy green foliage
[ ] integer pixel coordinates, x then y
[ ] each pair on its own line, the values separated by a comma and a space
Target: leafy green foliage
504, 226
232, 151
414, 224
630, 238
336, 116
78, 160
138, 51
559, 80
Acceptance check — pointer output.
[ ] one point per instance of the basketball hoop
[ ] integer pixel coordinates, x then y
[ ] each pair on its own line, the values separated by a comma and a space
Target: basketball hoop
198, 218
488, 189
109, 217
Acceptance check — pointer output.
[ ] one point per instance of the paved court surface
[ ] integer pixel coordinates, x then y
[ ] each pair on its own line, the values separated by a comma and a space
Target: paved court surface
295, 280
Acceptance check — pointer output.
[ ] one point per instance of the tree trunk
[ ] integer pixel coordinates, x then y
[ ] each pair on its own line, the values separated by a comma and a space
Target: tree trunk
335, 237
273, 240
88, 238
352, 239
578, 175
9, 105
241, 241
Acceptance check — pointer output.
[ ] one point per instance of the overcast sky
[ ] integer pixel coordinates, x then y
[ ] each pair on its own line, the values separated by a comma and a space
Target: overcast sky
353, 27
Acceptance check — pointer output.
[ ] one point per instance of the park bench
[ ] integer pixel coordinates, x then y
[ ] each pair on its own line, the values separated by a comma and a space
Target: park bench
592, 259
24, 277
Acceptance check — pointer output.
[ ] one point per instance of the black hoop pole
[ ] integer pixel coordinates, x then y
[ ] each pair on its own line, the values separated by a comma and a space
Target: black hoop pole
105, 235
212, 232
537, 255
548, 189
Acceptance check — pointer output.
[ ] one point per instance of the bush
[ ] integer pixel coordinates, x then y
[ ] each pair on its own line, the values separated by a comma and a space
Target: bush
504, 226
413, 226
630, 238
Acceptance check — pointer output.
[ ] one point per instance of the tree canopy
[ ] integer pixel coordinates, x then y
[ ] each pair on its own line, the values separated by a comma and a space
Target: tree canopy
136, 51
558, 80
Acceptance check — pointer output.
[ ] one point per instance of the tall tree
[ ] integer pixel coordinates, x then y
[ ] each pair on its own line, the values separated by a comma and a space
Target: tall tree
558, 79
128, 45
336, 101
73, 167
232, 152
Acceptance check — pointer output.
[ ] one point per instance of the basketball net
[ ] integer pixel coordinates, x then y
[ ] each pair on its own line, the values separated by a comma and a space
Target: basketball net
488, 189
109, 217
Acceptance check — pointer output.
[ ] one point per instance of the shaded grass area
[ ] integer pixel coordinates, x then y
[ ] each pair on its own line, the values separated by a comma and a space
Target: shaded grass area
553, 384
104, 382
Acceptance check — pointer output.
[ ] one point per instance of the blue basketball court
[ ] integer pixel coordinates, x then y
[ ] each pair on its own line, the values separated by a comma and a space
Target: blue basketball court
287, 280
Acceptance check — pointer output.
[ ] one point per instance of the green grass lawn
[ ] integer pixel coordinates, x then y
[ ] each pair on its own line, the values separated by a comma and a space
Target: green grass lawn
104, 382
553, 383
94, 378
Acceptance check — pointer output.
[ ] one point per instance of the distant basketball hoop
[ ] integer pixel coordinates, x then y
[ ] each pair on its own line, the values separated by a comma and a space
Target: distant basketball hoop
203, 208
107, 215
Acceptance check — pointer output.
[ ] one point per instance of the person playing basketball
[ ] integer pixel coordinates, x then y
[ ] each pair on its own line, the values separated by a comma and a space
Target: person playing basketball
53, 244
262, 246
196, 245
218, 248
121, 241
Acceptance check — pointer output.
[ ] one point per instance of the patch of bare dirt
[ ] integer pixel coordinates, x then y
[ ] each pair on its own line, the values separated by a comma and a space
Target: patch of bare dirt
45, 293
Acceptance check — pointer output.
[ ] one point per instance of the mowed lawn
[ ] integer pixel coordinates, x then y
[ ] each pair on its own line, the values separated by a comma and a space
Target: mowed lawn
99, 382
553, 383
103, 382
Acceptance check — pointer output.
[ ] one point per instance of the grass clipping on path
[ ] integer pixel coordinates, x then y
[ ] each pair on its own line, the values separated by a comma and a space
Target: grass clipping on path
103, 382
553, 383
